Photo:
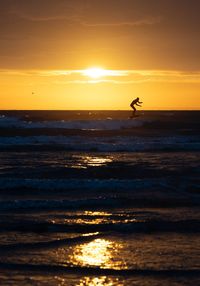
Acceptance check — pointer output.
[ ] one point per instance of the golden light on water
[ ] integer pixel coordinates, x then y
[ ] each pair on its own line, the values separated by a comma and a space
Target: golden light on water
100, 253
92, 281
97, 253
91, 161
96, 213
99, 281
96, 161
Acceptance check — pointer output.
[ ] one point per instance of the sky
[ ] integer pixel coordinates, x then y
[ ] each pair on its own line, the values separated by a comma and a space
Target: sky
146, 48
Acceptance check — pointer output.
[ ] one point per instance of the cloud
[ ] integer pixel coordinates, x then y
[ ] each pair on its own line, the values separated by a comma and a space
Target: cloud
140, 22
43, 18
39, 11
66, 77
40, 17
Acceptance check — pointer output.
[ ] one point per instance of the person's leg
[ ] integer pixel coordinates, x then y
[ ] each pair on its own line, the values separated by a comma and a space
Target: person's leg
134, 110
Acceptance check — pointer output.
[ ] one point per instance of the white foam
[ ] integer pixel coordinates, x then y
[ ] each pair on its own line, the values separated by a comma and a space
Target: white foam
107, 124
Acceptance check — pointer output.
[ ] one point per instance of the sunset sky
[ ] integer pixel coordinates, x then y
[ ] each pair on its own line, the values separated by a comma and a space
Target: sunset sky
49, 50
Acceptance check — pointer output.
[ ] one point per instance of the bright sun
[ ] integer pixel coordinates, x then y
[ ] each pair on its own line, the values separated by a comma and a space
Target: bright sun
95, 72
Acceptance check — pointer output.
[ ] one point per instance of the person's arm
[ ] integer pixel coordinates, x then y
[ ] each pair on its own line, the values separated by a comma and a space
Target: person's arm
140, 102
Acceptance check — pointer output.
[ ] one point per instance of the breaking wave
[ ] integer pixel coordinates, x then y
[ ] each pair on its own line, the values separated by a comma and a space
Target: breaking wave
101, 124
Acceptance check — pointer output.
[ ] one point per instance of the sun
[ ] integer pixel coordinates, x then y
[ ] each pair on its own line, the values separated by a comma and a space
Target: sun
95, 72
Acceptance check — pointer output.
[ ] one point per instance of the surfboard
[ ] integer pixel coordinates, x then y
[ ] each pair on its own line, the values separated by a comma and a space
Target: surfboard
133, 116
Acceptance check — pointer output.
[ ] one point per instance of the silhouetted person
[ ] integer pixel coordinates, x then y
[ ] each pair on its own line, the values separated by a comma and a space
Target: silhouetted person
135, 102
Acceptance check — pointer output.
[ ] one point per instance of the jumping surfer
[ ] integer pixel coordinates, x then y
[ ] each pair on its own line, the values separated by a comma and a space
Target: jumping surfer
133, 103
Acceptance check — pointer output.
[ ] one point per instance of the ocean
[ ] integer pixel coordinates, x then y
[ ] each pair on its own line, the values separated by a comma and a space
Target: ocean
96, 198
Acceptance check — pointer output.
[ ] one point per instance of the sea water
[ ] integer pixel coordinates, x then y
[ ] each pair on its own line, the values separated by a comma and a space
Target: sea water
97, 198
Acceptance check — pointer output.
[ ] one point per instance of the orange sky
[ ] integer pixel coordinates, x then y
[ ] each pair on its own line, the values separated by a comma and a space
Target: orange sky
152, 49
72, 90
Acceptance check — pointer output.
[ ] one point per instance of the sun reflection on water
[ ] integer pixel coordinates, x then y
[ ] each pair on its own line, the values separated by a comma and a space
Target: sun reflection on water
99, 281
96, 213
99, 252
96, 161
91, 281
84, 162
94, 253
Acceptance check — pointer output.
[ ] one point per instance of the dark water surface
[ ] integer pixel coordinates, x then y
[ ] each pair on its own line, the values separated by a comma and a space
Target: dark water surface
95, 198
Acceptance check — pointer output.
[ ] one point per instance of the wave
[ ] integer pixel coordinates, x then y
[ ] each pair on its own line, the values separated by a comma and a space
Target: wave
100, 202
91, 185
49, 244
42, 205
101, 124
92, 230
103, 144
65, 269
